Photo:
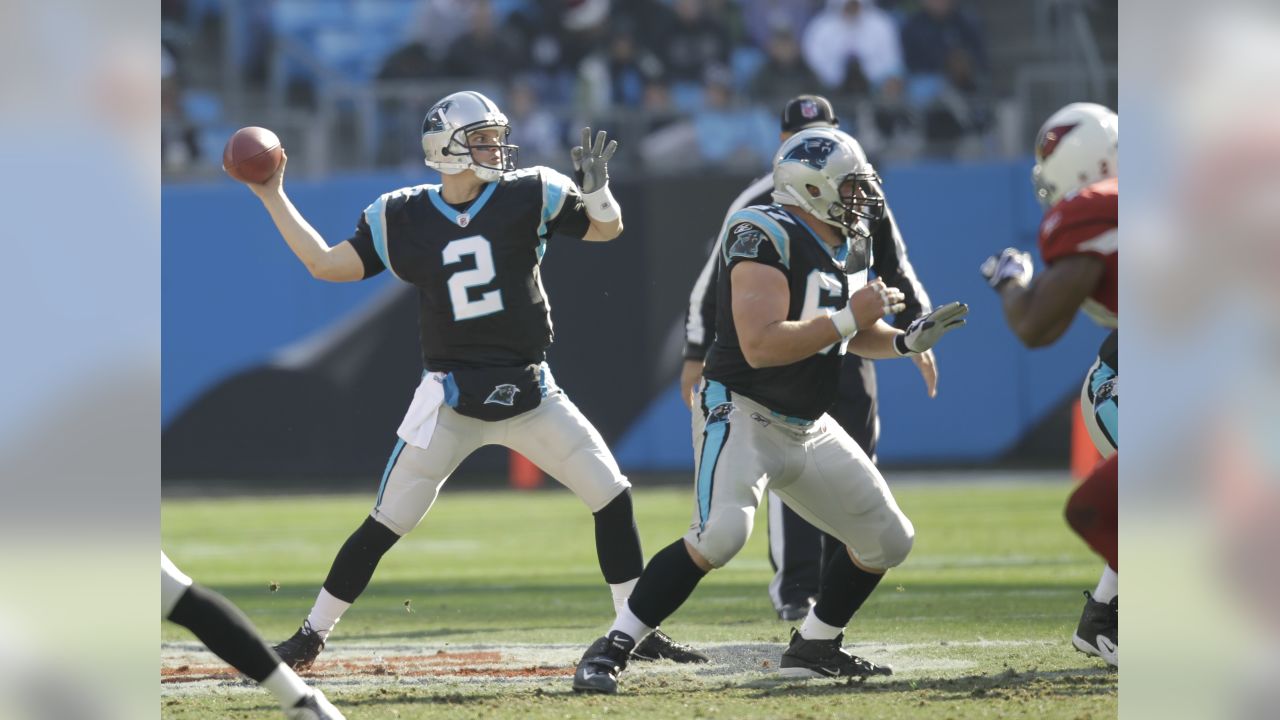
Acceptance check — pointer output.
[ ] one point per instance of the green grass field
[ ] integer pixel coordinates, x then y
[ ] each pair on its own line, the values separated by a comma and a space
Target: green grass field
484, 609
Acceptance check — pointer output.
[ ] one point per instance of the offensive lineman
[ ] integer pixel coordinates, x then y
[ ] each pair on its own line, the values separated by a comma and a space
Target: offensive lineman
472, 246
229, 635
798, 550
788, 311
1076, 181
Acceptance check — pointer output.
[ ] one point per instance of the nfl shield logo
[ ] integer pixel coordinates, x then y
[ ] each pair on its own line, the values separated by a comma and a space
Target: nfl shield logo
463, 220
809, 109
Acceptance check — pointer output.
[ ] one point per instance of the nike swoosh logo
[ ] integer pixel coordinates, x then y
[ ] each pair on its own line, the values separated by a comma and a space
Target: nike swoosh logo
1105, 643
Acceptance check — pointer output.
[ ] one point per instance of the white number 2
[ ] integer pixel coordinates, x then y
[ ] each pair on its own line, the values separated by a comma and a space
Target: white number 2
464, 308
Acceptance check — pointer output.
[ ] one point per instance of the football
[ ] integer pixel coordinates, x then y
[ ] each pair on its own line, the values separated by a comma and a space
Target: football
252, 154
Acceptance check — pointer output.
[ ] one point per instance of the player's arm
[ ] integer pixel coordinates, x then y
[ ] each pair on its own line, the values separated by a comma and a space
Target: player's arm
890, 262
700, 325
335, 264
590, 164
761, 300
1040, 310
882, 341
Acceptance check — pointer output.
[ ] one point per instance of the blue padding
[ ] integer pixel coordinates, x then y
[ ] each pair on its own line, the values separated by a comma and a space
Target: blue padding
391, 463
552, 197
776, 234
450, 391
374, 215
713, 442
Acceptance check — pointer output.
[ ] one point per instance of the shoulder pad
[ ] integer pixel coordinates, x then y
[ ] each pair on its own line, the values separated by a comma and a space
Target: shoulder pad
748, 227
516, 175
394, 199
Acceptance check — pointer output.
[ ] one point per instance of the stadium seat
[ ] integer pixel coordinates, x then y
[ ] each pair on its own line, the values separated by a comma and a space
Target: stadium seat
343, 50
745, 62
687, 97
202, 107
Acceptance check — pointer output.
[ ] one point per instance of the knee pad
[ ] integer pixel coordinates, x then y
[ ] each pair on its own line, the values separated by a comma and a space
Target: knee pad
896, 542
718, 543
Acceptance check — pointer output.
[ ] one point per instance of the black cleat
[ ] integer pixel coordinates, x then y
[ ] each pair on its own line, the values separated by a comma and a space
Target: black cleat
795, 611
659, 646
299, 651
314, 706
1097, 634
825, 658
602, 663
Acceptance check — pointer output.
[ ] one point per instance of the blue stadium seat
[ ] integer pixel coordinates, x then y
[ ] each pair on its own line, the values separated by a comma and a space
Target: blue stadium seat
391, 18
745, 62
924, 88
294, 18
202, 107
210, 141
687, 96
342, 49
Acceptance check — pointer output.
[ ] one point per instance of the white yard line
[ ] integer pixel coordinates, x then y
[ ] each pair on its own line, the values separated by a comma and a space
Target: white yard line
187, 668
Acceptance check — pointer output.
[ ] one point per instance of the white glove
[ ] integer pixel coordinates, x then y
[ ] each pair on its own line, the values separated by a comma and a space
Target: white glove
1011, 264
924, 332
591, 170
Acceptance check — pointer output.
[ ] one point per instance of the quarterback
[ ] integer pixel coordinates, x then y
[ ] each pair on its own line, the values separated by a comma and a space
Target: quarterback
1076, 181
793, 298
472, 246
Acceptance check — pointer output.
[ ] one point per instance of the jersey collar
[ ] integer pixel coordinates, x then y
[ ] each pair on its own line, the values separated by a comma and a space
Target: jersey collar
463, 218
839, 255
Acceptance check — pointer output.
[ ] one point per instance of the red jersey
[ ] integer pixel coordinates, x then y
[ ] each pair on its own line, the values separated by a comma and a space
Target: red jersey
1085, 223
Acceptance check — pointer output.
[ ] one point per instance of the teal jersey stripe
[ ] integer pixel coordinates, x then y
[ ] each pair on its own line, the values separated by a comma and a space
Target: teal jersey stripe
771, 228
474, 209
375, 215
713, 440
1107, 411
552, 202
391, 462
452, 214
839, 254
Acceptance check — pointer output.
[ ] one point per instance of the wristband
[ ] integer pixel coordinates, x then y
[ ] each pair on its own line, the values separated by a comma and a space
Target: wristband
900, 345
601, 206
846, 324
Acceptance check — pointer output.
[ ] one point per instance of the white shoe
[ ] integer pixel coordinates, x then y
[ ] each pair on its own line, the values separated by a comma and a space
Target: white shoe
315, 706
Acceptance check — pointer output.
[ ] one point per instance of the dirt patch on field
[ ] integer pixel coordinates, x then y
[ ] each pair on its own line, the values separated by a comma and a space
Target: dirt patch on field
487, 664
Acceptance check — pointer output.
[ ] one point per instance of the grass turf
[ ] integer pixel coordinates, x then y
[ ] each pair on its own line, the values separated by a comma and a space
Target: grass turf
977, 622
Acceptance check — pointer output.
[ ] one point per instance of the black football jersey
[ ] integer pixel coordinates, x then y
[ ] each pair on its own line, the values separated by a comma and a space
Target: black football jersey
820, 278
476, 266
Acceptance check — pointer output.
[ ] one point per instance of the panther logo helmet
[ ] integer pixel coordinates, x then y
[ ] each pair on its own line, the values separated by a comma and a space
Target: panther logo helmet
824, 172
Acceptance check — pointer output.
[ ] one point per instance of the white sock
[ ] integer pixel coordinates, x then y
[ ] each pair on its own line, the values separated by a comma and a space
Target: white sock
286, 686
628, 623
621, 591
326, 613
1108, 586
815, 629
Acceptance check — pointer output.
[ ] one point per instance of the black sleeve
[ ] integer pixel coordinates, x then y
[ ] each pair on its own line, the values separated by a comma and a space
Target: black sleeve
890, 263
700, 318
362, 241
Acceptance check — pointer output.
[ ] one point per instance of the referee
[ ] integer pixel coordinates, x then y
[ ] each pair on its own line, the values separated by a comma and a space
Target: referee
797, 550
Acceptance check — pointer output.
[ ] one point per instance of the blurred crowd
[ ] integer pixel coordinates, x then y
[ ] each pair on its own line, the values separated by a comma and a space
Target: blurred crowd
683, 81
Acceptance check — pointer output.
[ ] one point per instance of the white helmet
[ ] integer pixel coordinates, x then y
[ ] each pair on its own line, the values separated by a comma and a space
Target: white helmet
1076, 146
445, 130
809, 170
